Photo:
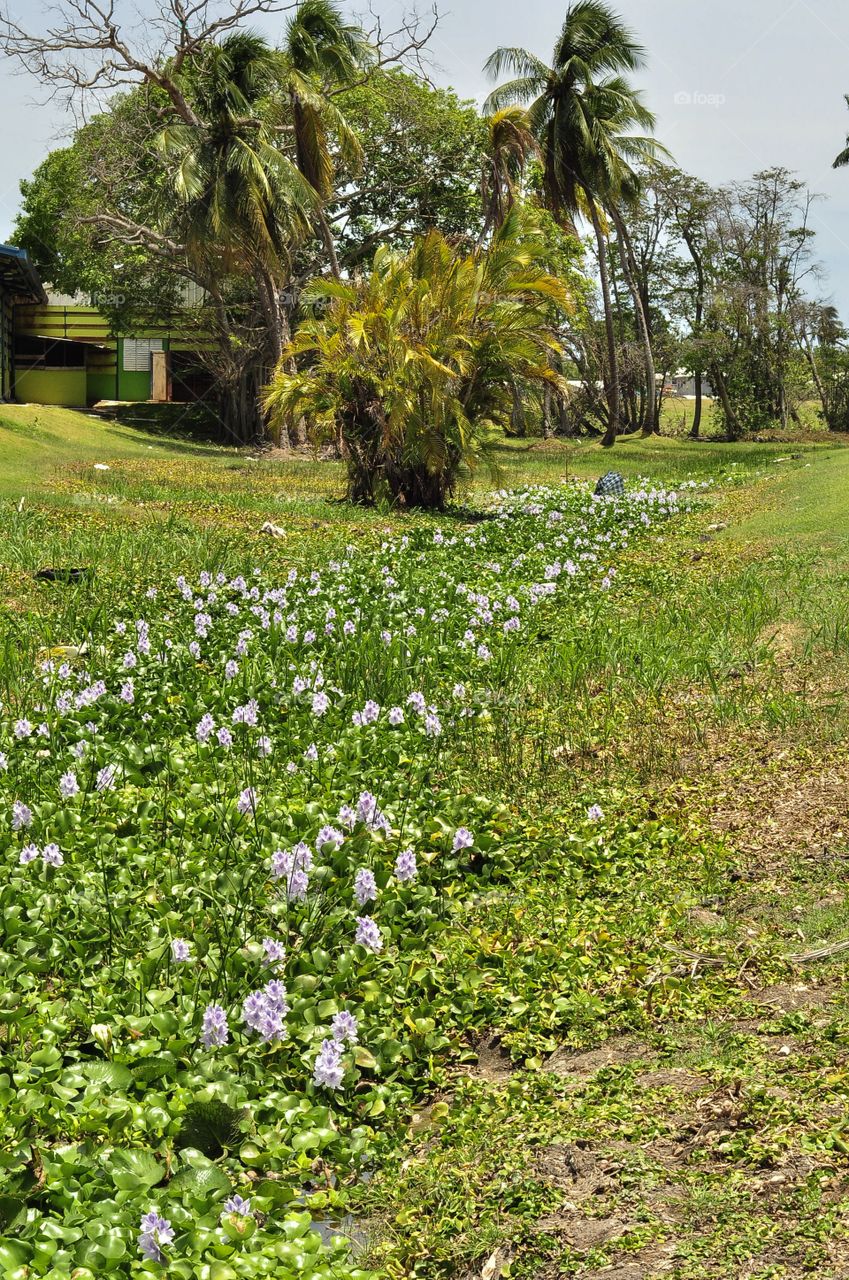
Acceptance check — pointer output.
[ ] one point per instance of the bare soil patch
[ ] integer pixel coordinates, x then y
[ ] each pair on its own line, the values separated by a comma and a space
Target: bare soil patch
585, 1063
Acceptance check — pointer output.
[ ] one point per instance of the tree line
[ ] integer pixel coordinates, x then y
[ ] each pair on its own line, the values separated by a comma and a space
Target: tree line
368, 260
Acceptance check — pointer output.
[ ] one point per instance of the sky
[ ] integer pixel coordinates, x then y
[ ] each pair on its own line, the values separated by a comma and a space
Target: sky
736, 85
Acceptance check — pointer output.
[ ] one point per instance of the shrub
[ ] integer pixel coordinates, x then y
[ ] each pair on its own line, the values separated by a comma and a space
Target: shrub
412, 366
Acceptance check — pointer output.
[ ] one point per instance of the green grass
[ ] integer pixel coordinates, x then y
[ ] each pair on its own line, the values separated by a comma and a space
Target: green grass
703, 704
38, 442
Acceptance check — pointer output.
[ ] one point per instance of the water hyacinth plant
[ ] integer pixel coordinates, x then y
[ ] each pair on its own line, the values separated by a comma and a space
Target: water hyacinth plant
223, 873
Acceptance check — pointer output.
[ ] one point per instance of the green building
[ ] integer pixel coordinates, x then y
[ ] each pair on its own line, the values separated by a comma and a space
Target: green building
57, 350
19, 284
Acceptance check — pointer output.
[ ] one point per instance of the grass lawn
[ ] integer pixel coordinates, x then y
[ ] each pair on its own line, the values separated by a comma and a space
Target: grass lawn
613, 1048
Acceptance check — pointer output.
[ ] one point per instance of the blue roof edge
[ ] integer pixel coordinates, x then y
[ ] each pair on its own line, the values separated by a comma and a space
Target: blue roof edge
29, 275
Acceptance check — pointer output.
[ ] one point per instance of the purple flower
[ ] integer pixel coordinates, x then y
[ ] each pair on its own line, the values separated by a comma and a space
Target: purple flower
51, 856
21, 815
264, 1011
275, 993
405, 866
365, 886
180, 950
225, 737
368, 935
235, 1204
595, 813
68, 785
320, 703
275, 952
29, 853
128, 692
293, 864
106, 777
329, 835
346, 816
463, 839
231, 669
154, 1233
204, 728
248, 714
327, 1069
344, 1027
417, 702
247, 801
396, 715
264, 746
432, 725
22, 729
297, 884
214, 1031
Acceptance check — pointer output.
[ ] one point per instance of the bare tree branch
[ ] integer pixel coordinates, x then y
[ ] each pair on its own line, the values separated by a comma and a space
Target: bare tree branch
405, 46
87, 47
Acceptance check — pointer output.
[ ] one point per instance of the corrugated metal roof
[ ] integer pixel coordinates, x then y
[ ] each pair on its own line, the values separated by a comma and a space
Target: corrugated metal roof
19, 275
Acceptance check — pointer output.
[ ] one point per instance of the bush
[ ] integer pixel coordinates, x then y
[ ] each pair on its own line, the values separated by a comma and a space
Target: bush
411, 367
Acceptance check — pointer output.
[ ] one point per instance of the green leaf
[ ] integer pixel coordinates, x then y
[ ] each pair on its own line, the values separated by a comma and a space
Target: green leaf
11, 1207
210, 1127
203, 1182
131, 1169
111, 1074
153, 1068
364, 1058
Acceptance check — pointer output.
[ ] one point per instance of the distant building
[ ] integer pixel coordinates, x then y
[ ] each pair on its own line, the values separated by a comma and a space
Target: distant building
61, 350
683, 384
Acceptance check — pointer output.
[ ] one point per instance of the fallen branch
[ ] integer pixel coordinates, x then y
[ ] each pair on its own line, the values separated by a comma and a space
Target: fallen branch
822, 953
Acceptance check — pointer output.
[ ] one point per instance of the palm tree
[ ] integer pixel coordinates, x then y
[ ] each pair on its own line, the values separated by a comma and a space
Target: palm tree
245, 202
413, 361
582, 112
842, 158
510, 145
322, 54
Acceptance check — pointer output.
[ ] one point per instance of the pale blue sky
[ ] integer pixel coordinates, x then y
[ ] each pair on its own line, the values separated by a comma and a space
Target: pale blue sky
737, 85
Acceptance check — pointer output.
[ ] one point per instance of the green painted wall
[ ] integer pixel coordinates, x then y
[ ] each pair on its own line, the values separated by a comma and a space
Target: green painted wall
99, 386
51, 386
133, 386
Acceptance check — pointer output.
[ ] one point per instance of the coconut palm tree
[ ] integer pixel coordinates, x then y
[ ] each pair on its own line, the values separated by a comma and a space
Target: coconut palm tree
244, 200
322, 53
510, 145
583, 112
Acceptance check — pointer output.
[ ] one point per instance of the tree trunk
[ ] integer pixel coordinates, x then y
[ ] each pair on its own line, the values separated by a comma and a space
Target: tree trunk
732, 421
327, 237
698, 263
629, 267
612, 379
697, 412
811, 358
547, 431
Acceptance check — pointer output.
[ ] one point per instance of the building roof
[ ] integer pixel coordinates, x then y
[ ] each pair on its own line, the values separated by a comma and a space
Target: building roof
18, 276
